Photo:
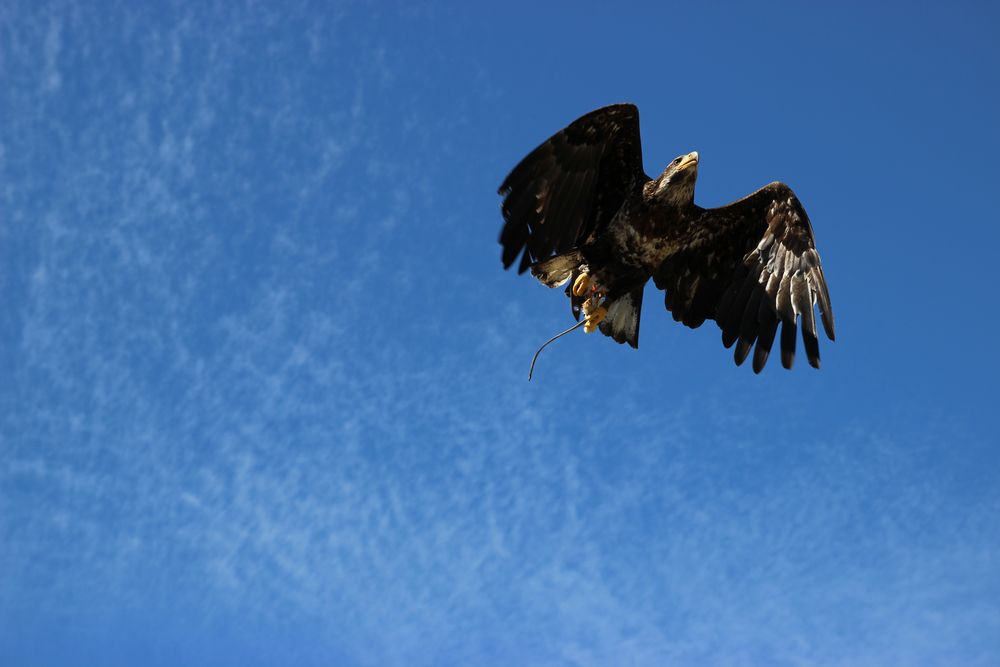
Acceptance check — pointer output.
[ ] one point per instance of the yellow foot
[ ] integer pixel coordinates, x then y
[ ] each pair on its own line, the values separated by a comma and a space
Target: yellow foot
594, 317
581, 284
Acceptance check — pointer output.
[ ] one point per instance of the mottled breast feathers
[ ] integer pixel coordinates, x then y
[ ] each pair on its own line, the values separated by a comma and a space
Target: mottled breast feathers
751, 266
566, 191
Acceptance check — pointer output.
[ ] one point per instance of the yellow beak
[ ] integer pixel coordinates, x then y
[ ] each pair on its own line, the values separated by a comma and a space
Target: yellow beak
688, 161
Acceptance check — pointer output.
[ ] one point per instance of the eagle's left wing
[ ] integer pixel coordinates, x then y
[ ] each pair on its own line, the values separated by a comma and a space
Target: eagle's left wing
750, 266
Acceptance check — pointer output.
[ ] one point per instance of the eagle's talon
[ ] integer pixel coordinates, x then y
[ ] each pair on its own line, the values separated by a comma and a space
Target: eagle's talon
594, 318
581, 284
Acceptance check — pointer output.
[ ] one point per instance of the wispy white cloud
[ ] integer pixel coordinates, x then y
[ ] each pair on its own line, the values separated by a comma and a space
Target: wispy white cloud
219, 410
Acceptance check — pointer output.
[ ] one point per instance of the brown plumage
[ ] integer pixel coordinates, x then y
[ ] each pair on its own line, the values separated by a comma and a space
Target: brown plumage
581, 203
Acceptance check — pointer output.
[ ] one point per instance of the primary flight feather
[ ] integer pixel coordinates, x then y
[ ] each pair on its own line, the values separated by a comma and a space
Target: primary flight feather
579, 209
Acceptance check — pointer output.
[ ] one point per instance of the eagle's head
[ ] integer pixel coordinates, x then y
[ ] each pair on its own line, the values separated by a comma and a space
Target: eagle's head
676, 184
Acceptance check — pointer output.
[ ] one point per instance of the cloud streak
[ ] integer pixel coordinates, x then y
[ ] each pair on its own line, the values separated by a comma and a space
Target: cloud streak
235, 414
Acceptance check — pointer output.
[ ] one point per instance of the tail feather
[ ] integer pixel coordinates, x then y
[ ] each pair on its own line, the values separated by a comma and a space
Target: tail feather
622, 320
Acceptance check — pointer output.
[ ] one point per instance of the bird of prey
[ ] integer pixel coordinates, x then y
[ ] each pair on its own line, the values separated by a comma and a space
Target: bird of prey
580, 210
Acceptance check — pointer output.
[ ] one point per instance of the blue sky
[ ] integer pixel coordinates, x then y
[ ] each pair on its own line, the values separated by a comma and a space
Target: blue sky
263, 389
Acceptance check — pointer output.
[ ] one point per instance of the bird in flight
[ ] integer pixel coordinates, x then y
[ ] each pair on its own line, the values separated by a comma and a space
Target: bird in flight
579, 210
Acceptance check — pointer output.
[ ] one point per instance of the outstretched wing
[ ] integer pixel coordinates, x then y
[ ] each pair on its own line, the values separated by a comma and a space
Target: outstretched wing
750, 266
569, 188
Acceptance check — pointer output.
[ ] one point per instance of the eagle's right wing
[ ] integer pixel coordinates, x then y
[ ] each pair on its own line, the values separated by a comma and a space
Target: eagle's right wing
567, 190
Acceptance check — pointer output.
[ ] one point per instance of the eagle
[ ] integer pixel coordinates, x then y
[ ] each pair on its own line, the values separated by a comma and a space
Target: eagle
579, 210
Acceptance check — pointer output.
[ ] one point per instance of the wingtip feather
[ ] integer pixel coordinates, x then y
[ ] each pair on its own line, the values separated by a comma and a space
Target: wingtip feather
788, 334
760, 359
741, 351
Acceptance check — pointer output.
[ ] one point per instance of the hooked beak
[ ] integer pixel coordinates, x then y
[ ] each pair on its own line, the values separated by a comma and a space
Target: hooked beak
688, 161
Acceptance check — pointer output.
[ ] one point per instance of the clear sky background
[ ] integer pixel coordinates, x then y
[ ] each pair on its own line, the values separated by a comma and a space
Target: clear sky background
263, 392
